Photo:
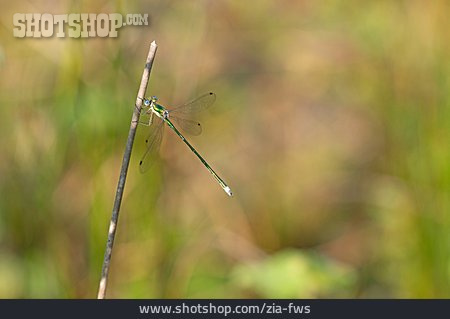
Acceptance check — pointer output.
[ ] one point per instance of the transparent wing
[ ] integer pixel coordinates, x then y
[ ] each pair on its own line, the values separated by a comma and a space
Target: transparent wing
153, 142
189, 126
199, 104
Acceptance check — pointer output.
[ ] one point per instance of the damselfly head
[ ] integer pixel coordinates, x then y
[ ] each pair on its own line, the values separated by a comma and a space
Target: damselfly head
154, 99
146, 102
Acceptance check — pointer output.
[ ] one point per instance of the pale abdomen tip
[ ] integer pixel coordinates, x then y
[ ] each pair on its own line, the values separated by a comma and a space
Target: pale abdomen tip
228, 191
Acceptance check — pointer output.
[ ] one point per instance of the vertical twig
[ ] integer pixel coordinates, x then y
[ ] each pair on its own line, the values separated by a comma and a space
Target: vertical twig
124, 169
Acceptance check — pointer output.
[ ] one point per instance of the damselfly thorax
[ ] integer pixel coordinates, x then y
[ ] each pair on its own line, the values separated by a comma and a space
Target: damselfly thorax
156, 108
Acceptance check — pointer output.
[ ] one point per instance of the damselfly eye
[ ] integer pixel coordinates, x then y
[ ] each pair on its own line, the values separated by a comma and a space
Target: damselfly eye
154, 98
146, 102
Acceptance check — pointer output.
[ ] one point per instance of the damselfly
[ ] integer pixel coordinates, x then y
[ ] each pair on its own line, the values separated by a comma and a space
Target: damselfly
160, 115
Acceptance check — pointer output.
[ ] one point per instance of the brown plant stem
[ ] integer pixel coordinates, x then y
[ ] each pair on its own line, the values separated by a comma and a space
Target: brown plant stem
123, 171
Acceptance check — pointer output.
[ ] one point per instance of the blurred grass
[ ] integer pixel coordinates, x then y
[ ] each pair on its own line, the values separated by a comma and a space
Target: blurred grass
331, 126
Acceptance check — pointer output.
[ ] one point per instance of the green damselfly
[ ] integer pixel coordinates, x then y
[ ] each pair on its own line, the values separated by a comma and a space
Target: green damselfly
160, 115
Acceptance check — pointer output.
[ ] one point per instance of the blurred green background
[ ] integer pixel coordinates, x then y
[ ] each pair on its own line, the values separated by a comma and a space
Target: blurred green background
331, 125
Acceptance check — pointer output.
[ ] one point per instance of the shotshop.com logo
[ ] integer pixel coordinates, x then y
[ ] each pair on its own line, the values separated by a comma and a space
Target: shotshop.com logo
74, 25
